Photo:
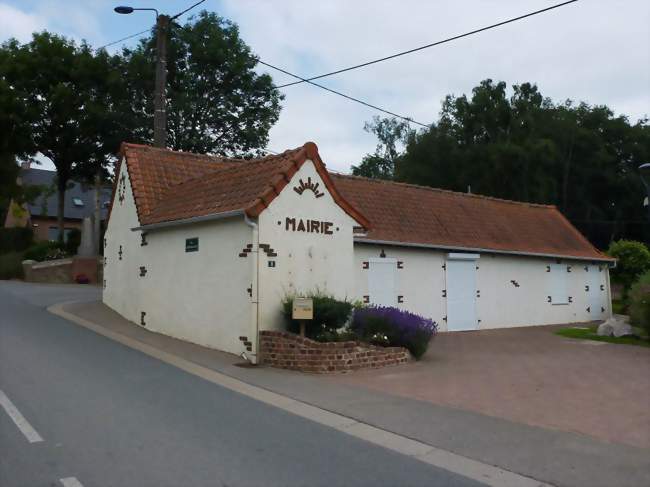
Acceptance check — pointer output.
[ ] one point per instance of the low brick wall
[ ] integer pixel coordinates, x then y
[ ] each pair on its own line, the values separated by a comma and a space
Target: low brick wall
62, 270
288, 351
52, 271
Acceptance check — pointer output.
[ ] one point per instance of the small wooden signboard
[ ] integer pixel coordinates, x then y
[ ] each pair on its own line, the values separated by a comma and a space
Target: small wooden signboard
303, 309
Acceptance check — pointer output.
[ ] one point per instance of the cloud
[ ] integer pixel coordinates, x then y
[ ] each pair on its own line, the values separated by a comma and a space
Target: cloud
593, 51
18, 24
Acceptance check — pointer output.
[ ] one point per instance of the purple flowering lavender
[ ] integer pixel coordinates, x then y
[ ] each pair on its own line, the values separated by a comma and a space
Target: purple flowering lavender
385, 325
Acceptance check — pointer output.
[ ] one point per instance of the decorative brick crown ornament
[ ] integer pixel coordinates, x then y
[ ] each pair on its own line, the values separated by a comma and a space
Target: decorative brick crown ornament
308, 185
121, 189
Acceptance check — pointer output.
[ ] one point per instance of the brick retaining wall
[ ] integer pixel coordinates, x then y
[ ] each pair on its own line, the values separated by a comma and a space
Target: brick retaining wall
288, 351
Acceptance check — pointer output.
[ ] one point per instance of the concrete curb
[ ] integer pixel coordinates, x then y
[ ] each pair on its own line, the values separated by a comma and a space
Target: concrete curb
452, 462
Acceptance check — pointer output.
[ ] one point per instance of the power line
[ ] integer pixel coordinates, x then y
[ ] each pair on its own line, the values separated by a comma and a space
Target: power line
357, 100
302, 80
148, 30
123, 39
187, 9
433, 44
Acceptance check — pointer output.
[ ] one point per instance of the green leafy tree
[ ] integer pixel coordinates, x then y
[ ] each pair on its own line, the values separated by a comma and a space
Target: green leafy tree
523, 146
390, 133
68, 89
633, 259
216, 102
15, 142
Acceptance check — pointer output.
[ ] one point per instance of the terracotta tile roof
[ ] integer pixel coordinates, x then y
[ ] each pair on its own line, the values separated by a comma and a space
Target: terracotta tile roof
153, 171
407, 213
170, 186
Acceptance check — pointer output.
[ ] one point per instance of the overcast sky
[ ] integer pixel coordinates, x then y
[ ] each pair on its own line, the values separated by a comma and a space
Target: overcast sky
593, 50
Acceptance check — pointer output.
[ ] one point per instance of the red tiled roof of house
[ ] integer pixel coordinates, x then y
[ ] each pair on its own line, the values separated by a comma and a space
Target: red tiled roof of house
153, 171
169, 186
407, 213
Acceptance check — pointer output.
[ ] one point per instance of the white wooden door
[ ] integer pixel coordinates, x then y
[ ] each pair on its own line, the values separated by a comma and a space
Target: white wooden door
381, 282
596, 296
461, 295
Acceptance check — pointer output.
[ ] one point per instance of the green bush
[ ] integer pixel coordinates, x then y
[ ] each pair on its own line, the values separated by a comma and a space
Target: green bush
633, 259
41, 251
73, 241
15, 239
639, 299
11, 266
330, 314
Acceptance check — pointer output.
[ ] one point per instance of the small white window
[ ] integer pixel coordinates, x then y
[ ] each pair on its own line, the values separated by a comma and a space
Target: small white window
77, 201
559, 285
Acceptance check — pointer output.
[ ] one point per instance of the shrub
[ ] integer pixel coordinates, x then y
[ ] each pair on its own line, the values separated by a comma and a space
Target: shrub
11, 266
330, 314
73, 241
41, 251
633, 260
15, 239
394, 327
639, 298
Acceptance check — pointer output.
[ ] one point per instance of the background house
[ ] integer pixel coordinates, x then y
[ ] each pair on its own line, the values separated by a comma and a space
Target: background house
41, 214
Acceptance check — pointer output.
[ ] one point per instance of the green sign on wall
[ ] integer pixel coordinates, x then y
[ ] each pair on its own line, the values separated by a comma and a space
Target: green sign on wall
192, 244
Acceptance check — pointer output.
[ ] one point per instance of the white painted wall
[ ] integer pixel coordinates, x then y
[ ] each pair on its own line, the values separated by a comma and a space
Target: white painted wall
122, 285
305, 261
202, 296
199, 296
501, 304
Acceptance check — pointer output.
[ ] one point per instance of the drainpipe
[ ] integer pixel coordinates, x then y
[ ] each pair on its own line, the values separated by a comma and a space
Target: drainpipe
609, 293
255, 313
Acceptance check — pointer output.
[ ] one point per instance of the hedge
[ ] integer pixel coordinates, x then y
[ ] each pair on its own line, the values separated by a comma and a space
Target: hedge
639, 302
15, 239
330, 314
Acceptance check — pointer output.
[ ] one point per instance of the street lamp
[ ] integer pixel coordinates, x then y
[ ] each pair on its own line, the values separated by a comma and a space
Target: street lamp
160, 114
644, 170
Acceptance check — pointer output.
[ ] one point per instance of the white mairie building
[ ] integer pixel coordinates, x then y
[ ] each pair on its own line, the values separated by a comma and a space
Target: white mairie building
205, 249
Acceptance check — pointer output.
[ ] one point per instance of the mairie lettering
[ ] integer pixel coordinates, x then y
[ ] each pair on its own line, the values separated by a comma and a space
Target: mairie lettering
308, 226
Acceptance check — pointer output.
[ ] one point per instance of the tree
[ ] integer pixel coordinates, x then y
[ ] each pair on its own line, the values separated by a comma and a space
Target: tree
67, 87
390, 132
15, 142
525, 147
216, 102
633, 259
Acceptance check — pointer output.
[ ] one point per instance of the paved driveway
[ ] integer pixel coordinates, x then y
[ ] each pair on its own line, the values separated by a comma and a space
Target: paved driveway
532, 376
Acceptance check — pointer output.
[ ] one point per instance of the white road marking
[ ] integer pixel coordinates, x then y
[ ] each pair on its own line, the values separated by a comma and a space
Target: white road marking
452, 462
24, 427
71, 482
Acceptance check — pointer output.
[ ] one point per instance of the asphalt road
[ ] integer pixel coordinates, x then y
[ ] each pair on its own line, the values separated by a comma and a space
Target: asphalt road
111, 416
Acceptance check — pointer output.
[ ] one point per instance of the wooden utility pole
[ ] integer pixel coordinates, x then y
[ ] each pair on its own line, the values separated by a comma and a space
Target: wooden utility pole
160, 114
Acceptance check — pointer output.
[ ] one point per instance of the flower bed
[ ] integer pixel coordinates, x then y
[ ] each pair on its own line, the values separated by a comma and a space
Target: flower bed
395, 327
290, 351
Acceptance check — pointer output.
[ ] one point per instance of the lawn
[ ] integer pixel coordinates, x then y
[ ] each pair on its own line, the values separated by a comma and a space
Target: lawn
589, 333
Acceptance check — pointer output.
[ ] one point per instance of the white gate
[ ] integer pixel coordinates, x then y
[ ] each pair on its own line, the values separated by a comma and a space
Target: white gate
461, 292
381, 281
